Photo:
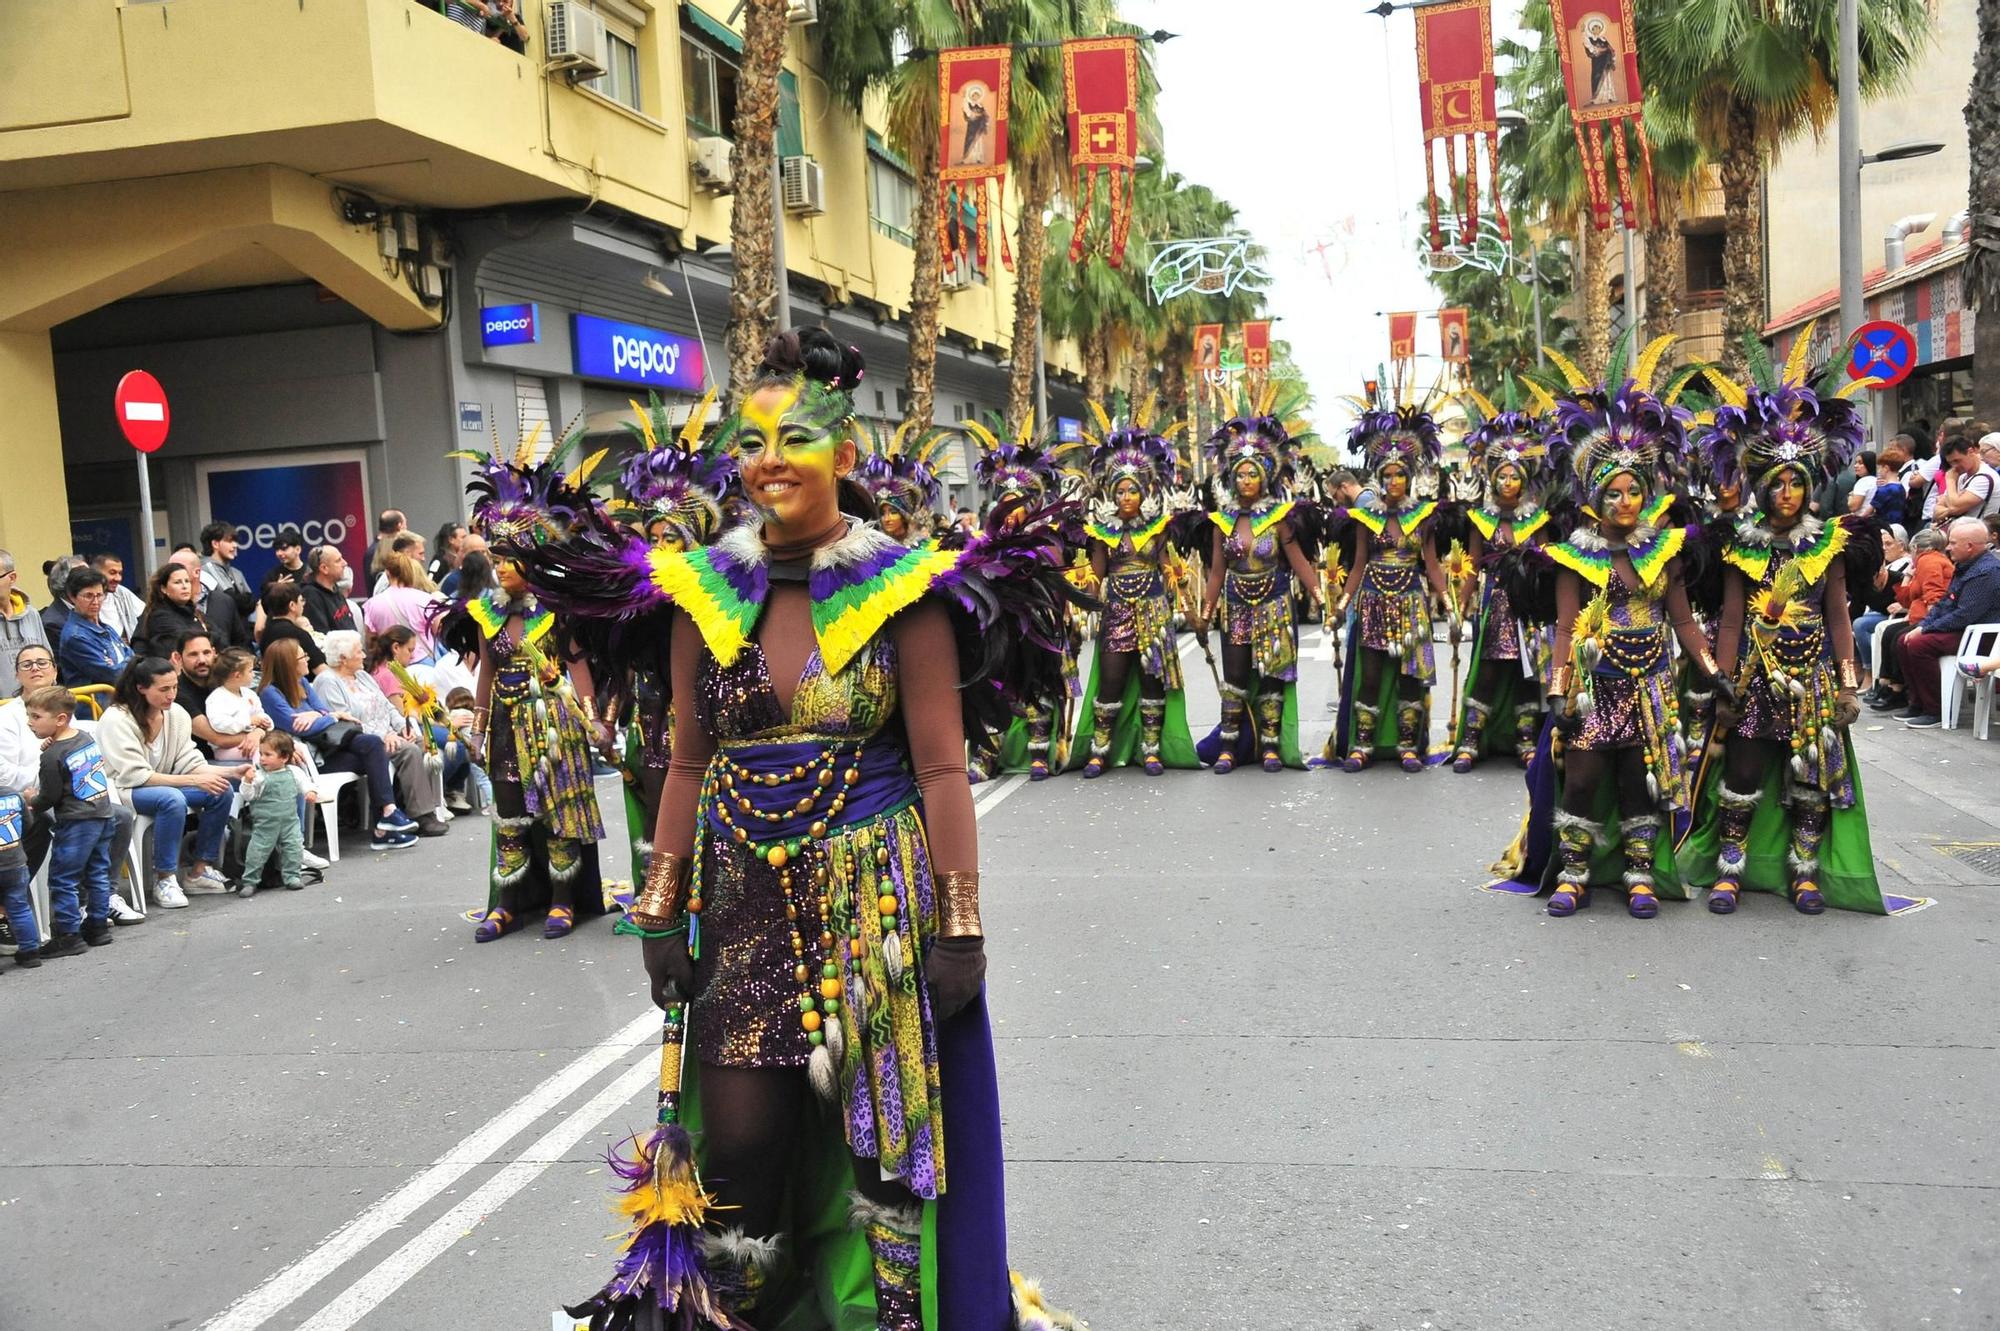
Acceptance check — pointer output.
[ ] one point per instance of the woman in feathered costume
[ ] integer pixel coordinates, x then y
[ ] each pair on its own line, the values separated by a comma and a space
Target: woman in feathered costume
1137, 666
535, 718
1385, 707
814, 885
1502, 712
905, 490
1613, 777
1022, 479
1254, 554
1786, 814
674, 492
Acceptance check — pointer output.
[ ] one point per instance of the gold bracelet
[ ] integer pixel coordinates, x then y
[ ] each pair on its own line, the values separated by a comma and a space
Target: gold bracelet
1850, 675
958, 890
660, 899
1707, 662
479, 717
1559, 680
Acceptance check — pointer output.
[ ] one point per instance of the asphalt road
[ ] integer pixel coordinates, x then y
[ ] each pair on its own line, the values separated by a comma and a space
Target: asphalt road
1269, 1059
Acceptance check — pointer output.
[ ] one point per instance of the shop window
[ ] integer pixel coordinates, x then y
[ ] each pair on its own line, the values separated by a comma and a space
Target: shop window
892, 199
1701, 252
709, 76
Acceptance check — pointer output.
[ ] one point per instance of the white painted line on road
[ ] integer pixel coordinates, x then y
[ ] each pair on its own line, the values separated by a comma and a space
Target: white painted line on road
999, 792
272, 1297
366, 1294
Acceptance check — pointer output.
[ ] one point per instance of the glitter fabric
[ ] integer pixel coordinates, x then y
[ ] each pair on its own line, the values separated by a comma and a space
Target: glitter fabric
1771, 708
748, 1012
541, 742
1257, 608
1391, 604
1138, 617
1635, 702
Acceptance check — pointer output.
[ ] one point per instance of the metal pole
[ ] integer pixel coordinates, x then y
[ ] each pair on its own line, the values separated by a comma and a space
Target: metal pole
1631, 278
1850, 167
145, 516
784, 312
1535, 280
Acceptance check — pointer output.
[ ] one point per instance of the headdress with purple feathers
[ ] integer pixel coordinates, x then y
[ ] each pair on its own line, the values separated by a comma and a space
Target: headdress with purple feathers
1404, 436
1778, 421
519, 503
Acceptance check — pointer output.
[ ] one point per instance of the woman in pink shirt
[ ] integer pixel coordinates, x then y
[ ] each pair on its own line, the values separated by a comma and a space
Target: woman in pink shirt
405, 602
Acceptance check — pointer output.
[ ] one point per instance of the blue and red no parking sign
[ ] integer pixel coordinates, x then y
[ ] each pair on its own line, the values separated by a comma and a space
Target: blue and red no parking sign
1882, 350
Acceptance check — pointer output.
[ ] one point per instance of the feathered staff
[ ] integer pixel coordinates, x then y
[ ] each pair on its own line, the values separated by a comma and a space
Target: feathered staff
660, 1267
1460, 574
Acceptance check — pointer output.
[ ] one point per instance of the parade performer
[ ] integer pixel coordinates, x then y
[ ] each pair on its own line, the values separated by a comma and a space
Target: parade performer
905, 490
1254, 553
1022, 479
1385, 697
1612, 776
1784, 813
1137, 665
535, 718
815, 880
1502, 712
674, 491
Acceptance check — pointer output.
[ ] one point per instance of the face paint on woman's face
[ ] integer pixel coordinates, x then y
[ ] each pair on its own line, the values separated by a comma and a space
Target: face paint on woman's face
1507, 486
1249, 480
892, 522
1128, 497
787, 445
508, 574
1787, 497
1395, 483
1622, 501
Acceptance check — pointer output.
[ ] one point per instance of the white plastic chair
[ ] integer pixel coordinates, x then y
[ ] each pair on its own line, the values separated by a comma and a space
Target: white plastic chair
137, 876
1975, 644
327, 786
1878, 640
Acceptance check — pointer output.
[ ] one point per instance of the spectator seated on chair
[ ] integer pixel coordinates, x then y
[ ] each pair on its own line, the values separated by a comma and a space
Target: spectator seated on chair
149, 752
327, 581
172, 609
20, 625
347, 687
91, 652
1972, 598
285, 620
122, 607
340, 744
1922, 587
394, 649
1873, 604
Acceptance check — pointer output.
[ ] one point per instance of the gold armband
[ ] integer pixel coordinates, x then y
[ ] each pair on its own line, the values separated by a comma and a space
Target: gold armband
1559, 680
958, 892
665, 891
1850, 676
1707, 663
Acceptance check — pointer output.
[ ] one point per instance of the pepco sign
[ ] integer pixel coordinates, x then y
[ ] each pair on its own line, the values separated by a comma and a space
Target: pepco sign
509, 325
634, 354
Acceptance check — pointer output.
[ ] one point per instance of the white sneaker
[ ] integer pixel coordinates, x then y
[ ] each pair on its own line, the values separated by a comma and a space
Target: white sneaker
167, 894
312, 861
122, 913
444, 813
206, 883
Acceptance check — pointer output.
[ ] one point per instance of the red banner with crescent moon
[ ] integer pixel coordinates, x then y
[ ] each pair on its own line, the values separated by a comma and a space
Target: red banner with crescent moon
1598, 42
1403, 335
1257, 346
1455, 86
972, 125
1101, 92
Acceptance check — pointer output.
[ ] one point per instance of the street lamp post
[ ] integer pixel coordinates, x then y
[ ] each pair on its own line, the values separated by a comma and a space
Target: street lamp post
1850, 167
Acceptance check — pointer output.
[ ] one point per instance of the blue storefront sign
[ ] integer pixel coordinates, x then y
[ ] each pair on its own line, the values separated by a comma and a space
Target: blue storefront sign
633, 354
1068, 429
509, 325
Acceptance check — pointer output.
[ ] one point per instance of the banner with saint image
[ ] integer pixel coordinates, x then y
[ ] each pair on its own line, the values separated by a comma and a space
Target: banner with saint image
972, 148
1598, 43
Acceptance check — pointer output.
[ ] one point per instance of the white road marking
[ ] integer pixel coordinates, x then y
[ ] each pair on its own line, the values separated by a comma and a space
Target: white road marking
367, 1294
279, 1292
285, 1288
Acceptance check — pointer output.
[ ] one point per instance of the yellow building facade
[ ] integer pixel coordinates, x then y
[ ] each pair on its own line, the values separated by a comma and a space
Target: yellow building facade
307, 205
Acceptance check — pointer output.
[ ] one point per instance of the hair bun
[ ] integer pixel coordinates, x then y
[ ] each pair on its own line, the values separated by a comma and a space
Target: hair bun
814, 353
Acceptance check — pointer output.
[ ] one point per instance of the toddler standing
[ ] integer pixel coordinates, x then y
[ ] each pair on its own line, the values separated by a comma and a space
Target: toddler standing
14, 881
75, 790
271, 803
233, 708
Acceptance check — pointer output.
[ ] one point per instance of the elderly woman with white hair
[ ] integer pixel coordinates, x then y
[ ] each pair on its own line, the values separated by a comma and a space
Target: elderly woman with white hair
346, 686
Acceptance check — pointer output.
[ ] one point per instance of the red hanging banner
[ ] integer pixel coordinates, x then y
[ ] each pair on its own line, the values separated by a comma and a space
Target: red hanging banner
1454, 336
1455, 86
1257, 346
1101, 89
972, 128
1403, 335
1207, 347
1597, 40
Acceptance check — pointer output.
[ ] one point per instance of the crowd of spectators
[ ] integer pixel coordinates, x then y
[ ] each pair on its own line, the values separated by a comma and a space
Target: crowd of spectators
218, 711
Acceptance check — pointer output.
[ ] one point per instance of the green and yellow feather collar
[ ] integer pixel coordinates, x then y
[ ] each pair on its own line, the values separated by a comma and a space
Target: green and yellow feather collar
491, 610
1261, 519
1408, 519
1141, 537
1590, 556
1814, 545
1488, 520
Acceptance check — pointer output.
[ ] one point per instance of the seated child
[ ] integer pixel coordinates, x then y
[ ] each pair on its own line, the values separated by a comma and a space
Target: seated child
233, 708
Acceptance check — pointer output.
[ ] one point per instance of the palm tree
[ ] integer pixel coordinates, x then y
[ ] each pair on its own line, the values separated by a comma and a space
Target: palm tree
1678, 166
1753, 75
1982, 269
753, 283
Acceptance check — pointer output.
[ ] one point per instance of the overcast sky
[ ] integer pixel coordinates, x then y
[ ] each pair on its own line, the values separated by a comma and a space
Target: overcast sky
1298, 113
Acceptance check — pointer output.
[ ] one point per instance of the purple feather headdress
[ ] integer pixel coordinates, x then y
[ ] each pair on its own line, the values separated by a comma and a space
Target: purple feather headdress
1601, 435
681, 488
1262, 440
518, 504
1012, 470
1406, 437
901, 482
1791, 427
1132, 452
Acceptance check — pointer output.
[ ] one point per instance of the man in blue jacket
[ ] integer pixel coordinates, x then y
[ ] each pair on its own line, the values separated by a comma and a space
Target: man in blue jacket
1972, 598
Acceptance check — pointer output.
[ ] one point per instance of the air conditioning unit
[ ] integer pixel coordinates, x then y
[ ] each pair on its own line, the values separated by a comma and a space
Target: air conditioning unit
710, 156
803, 184
956, 278
575, 41
801, 11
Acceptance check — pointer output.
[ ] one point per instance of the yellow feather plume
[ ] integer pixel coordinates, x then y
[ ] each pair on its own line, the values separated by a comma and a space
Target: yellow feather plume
1143, 418
525, 454
1481, 401
1103, 417
1026, 434
645, 423
1649, 360
1854, 386
1732, 393
1543, 399
1795, 364
581, 476
928, 450
1174, 430
696, 422
987, 440
1571, 374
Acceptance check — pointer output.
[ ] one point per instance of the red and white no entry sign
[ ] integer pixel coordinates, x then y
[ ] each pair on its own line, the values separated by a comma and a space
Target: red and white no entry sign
142, 411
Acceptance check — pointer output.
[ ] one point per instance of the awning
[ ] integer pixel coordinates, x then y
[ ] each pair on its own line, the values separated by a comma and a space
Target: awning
711, 27
1924, 260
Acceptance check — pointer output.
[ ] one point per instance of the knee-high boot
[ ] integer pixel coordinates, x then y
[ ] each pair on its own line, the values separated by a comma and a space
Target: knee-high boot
1733, 815
1270, 721
1576, 838
1233, 708
1472, 735
1152, 721
1361, 750
1809, 822
1527, 728
895, 1246
739, 1268
1041, 724
1410, 722
512, 853
1103, 719
1640, 836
